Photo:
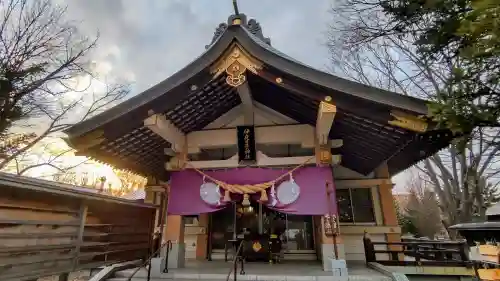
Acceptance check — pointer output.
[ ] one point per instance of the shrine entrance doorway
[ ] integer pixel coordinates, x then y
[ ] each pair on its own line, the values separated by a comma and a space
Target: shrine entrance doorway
295, 231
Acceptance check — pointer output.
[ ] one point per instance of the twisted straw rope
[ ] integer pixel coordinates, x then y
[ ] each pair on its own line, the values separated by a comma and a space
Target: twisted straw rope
248, 188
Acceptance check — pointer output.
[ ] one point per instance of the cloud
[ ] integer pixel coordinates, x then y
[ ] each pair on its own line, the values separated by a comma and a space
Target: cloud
147, 41
150, 40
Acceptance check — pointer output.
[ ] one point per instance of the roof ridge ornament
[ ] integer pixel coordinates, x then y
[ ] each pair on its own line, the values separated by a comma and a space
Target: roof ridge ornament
252, 26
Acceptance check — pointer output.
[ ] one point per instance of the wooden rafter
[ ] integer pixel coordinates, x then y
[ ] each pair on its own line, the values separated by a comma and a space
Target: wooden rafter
167, 130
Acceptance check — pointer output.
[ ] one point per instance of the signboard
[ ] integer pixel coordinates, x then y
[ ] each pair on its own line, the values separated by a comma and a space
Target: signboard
330, 225
246, 144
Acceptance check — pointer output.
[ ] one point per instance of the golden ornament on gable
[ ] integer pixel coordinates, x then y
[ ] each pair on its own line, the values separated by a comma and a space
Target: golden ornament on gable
325, 156
408, 121
235, 63
235, 74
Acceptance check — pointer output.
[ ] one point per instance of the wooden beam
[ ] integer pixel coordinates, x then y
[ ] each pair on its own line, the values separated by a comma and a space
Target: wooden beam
262, 161
336, 143
272, 115
247, 103
163, 127
289, 134
362, 182
324, 121
262, 116
225, 119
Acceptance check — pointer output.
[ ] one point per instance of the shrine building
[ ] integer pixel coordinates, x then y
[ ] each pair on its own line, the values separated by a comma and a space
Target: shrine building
251, 142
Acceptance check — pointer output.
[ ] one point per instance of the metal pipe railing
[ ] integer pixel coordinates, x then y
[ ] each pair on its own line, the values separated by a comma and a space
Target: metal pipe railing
148, 260
237, 257
169, 248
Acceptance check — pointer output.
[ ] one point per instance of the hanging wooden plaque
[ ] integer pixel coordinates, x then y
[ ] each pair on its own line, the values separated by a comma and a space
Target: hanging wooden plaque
330, 225
246, 144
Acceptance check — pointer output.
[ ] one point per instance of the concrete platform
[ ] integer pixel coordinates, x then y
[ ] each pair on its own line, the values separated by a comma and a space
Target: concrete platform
292, 270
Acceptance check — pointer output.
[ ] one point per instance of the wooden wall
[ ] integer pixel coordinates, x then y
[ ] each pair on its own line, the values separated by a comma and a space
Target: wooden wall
46, 231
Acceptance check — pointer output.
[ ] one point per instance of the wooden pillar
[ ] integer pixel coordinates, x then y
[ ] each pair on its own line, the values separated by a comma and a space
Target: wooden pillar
154, 194
82, 217
326, 245
174, 229
202, 237
387, 204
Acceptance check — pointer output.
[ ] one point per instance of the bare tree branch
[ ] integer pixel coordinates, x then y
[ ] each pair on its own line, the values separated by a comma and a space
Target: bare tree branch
43, 61
463, 176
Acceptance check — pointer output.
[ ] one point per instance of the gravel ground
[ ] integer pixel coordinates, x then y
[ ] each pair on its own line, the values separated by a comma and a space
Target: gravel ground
75, 276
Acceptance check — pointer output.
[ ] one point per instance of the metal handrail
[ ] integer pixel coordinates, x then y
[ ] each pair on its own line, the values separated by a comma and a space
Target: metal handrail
236, 257
169, 248
148, 260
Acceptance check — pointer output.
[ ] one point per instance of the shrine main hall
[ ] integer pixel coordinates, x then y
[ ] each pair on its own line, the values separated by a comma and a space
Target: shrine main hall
247, 143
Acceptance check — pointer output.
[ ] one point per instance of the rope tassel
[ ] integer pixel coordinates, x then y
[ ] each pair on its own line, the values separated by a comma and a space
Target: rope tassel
246, 200
227, 196
263, 196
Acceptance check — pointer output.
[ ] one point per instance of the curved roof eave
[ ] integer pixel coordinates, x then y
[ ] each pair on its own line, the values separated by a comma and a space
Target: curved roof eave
207, 58
268, 55
278, 60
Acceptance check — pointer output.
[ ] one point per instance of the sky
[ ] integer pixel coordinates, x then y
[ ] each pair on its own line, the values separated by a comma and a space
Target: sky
144, 42
147, 41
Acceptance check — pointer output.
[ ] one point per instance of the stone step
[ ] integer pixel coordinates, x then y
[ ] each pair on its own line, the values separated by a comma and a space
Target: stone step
176, 276
281, 278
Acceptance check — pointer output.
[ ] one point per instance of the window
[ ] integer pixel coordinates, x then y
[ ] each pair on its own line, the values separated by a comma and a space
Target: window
355, 205
189, 219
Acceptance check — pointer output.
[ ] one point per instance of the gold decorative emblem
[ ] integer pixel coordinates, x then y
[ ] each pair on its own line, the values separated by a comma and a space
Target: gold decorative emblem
408, 121
235, 63
325, 156
256, 246
327, 107
235, 75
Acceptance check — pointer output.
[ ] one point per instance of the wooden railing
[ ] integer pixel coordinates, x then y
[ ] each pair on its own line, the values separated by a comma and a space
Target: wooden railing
52, 229
432, 253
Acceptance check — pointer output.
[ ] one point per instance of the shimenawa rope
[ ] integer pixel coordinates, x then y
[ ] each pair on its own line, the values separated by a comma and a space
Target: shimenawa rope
247, 189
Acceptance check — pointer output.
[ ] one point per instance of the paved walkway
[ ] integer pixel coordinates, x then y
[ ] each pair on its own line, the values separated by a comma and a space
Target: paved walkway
299, 268
291, 270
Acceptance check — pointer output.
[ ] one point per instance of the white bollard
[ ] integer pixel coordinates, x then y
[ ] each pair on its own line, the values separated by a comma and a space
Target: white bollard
339, 270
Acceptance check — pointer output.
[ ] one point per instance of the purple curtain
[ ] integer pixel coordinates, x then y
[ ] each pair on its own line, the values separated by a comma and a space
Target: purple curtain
185, 189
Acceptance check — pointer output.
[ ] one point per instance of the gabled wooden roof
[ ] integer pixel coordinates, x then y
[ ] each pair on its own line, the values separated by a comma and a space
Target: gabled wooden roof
193, 97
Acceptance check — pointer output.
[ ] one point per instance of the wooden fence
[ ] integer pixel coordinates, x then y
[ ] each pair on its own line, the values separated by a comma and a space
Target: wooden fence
52, 229
418, 253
